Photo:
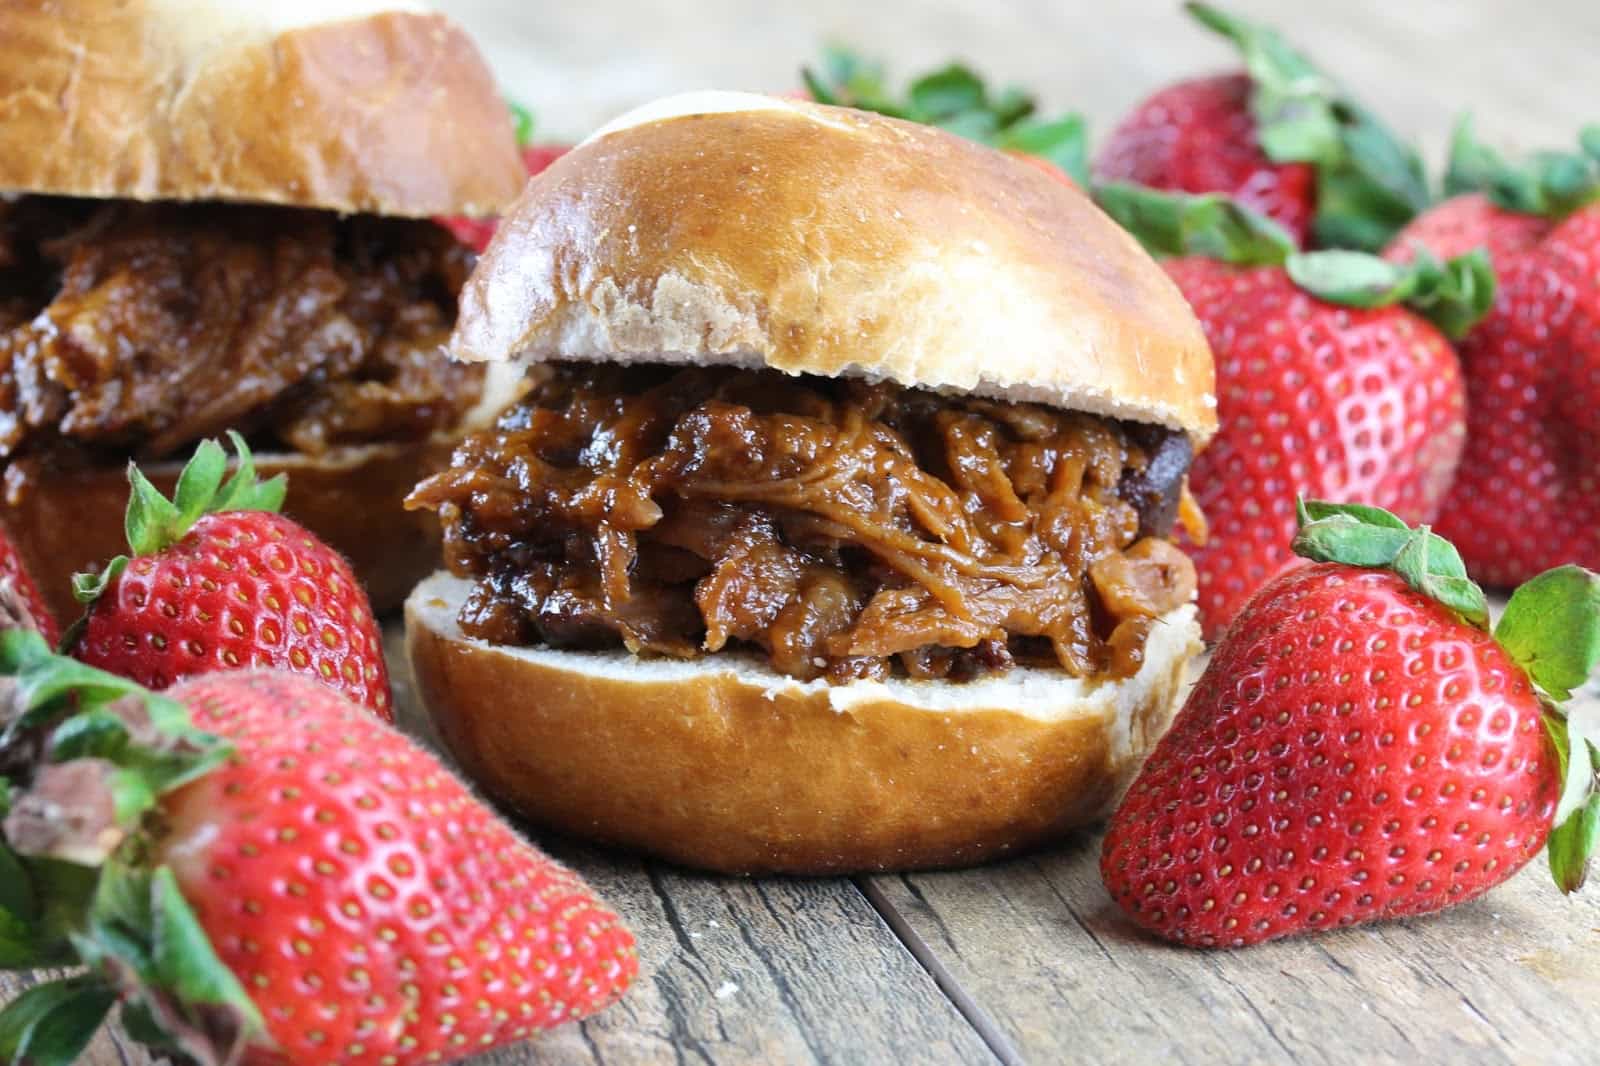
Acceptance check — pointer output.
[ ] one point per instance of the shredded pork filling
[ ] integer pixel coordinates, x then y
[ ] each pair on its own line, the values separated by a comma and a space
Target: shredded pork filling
844, 529
142, 328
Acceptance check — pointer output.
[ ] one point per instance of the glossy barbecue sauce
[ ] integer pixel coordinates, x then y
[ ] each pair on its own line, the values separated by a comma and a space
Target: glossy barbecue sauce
139, 329
843, 529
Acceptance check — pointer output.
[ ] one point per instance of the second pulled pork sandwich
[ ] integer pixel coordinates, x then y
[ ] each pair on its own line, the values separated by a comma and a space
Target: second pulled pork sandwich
216, 216
835, 532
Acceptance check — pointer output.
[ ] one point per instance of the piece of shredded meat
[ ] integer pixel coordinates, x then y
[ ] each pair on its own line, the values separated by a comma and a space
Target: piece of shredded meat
142, 328
842, 528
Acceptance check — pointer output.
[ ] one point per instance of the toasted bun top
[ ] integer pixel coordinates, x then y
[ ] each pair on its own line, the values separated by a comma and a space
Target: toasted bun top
346, 105
741, 230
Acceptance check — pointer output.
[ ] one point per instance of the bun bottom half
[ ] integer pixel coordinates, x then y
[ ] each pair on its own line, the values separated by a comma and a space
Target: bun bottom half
72, 520
722, 764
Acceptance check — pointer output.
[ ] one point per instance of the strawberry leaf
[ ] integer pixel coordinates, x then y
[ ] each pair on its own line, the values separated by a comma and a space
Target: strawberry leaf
244, 491
1207, 224
17, 949
1576, 825
142, 933
1063, 142
51, 1024
1369, 182
956, 99
88, 587
1309, 511
1589, 141
521, 123
950, 91
1549, 184
1374, 538
96, 743
1551, 628
1292, 101
1373, 190
154, 523
1453, 294
1572, 843
187, 965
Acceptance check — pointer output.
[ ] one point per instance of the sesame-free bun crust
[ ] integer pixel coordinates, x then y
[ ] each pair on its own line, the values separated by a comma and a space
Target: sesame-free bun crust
720, 763
70, 521
346, 105
731, 229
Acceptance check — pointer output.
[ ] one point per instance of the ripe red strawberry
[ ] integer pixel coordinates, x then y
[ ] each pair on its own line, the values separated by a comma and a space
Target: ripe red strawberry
1470, 220
1363, 403
25, 591
1360, 747
1200, 136
1528, 495
219, 581
1278, 137
310, 887
476, 233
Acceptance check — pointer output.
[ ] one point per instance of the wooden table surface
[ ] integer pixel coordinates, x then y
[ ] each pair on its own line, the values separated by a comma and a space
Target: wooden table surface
1028, 961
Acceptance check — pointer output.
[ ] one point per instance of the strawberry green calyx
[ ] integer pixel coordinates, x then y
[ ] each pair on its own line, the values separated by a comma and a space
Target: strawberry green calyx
154, 523
956, 99
1550, 628
1206, 224
522, 123
1372, 537
1369, 182
1453, 294
1549, 184
86, 758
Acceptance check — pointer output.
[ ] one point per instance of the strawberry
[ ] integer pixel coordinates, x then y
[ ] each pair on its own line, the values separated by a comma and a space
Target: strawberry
25, 592
475, 233
1360, 747
1200, 136
1528, 496
264, 873
1279, 137
1326, 385
220, 581
955, 98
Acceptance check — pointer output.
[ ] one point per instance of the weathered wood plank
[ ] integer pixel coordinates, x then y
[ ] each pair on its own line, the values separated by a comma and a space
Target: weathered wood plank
1050, 963
734, 971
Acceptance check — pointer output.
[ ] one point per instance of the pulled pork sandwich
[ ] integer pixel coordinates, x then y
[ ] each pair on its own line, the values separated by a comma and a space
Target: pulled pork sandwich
215, 216
835, 531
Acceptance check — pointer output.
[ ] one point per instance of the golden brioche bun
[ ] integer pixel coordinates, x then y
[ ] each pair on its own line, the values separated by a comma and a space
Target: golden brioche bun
721, 763
345, 105
741, 230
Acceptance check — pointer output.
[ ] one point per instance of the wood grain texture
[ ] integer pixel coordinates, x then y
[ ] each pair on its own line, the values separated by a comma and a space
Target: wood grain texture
732, 971
1048, 969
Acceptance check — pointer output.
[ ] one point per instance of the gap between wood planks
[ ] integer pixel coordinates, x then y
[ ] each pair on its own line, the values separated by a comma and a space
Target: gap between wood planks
980, 1020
